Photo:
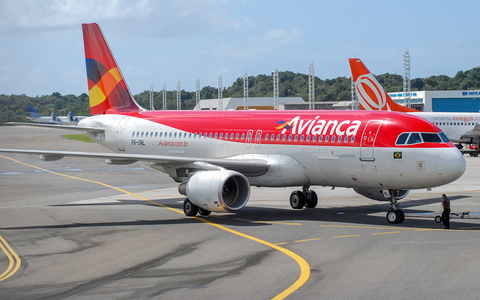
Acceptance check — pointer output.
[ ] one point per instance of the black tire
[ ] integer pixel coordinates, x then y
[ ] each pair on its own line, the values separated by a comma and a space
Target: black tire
401, 216
189, 208
204, 212
312, 200
297, 200
438, 219
393, 216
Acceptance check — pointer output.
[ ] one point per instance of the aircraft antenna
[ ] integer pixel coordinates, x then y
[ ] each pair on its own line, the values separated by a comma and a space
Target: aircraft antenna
179, 97
151, 98
198, 94
164, 98
406, 79
220, 93
311, 87
245, 91
275, 89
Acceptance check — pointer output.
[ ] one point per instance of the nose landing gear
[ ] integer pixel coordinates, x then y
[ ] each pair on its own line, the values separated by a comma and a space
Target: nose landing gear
394, 215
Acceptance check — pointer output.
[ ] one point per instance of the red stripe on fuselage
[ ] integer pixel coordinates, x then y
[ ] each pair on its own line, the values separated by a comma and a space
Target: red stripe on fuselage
304, 123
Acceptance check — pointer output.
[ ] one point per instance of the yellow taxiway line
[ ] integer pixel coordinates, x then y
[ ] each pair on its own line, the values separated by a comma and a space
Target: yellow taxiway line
13, 259
304, 266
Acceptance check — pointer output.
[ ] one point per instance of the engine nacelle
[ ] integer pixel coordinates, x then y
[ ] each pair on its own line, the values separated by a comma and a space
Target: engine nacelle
378, 194
219, 190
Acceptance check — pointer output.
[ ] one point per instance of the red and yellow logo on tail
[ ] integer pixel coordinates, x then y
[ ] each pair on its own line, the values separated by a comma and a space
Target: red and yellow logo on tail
371, 95
108, 92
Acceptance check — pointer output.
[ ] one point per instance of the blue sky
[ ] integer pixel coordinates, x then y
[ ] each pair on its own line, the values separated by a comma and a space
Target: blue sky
157, 42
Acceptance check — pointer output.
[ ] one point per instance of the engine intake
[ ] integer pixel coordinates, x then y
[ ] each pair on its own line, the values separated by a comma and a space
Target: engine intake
219, 190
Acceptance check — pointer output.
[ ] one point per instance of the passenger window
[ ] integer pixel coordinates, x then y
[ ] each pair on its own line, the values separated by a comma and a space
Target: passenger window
346, 139
326, 139
278, 137
133, 134
414, 139
236, 137
402, 138
266, 137
314, 139
333, 139
216, 134
431, 138
320, 138
352, 139
243, 136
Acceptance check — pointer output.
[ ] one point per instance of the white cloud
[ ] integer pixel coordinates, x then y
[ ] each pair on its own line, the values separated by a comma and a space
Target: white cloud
144, 17
282, 36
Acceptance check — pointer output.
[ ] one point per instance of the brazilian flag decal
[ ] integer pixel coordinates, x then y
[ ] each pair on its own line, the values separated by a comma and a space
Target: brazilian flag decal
397, 155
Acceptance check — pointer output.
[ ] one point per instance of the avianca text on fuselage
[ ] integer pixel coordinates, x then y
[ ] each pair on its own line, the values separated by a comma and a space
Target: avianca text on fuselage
319, 126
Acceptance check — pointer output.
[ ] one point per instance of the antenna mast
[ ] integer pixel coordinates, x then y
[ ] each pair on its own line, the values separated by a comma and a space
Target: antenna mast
220, 93
179, 97
245, 91
275, 89
311, 87
406, 79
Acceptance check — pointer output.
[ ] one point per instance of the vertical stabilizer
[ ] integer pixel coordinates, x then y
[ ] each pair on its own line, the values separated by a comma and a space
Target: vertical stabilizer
370, 94
108, 92
33, 113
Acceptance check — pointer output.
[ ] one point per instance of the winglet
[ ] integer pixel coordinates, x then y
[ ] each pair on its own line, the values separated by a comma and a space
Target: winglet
371, 95
108, 92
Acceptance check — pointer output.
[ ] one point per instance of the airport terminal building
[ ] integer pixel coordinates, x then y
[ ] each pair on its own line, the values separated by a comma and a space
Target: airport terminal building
435, 101
441, 101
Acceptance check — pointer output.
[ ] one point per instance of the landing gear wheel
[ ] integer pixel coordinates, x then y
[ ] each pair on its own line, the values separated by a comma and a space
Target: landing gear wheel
395, 216
392, 216
311, 199
204, 212
189, 208
402, 216
297, 200
438, 219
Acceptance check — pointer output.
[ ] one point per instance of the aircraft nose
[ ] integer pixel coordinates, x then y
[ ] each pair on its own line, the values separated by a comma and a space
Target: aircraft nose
450, 165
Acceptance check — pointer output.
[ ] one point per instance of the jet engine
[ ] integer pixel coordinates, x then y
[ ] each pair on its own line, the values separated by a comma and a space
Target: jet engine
379, 195
219, 190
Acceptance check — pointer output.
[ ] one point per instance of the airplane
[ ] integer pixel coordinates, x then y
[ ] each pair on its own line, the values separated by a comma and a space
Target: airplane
216, 156
459, 127
70, 119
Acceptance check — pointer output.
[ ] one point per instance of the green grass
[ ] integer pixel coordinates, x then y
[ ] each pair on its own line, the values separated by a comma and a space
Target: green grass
78, 137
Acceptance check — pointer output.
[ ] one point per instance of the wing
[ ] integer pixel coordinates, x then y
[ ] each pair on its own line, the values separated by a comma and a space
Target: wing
472, 135
170, 164
57, 126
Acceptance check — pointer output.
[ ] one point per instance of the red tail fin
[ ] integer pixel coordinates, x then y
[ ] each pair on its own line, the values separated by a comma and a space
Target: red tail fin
371, 95
108, 92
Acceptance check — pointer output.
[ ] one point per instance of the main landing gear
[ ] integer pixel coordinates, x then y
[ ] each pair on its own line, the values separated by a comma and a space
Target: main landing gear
305, 198
191, 210
394, 215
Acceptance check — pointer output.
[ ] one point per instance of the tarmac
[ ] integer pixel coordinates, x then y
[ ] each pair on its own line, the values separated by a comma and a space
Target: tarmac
78, 228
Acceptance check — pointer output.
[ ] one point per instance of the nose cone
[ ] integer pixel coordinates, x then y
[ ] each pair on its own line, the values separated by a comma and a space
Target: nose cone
450, 165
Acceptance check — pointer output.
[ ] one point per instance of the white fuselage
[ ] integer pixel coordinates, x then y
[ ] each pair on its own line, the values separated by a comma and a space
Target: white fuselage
292, 165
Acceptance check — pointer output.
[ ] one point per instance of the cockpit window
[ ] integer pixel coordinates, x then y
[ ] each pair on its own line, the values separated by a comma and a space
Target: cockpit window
402, 138
431, 138
414, 138
411, 138
444, 137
